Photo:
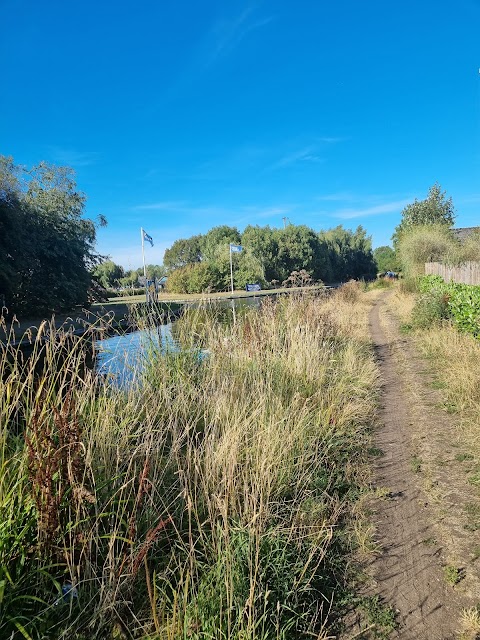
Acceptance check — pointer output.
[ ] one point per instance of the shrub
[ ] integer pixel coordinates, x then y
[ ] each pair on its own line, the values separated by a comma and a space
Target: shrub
429, 243
439, 300
199, 277
123, 293
350, 291
430, 307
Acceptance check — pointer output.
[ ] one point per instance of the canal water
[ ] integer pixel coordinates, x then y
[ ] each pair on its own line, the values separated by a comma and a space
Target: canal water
119, 358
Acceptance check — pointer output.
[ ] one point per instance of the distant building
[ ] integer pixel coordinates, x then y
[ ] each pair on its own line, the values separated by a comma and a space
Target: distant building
464, 232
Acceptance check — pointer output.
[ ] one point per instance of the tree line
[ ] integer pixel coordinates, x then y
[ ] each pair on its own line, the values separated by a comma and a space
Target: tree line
48, 260
269, 257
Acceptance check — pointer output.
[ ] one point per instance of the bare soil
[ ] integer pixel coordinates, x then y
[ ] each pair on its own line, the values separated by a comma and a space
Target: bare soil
421, 524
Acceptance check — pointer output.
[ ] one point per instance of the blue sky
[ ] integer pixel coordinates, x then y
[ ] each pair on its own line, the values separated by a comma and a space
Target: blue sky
179, 116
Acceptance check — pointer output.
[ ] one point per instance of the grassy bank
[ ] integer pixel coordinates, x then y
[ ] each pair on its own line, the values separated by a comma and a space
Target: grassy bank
454, 355
211, 499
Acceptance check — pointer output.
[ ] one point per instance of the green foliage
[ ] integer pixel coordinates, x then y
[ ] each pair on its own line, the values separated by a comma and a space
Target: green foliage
301, 248
350, 253
270, 256
262, 243
217, 239
200, 277
452, 574
385, 259
436, 209
164, 501
108, 274
425, 243
46, 246
380, 615
183, 252
461, 302
430, 307
470, 248
131, 278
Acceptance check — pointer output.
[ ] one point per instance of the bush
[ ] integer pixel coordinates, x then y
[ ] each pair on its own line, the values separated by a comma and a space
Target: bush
350, 291
116, 293
439, 300
430, 307
199, 277
429, 243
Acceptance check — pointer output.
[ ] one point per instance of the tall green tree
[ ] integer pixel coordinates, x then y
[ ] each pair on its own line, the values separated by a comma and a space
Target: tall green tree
183, 251
301, 248
436, 209
262, 243
350, 253
48, 247
385, 259
215, 241
108, 274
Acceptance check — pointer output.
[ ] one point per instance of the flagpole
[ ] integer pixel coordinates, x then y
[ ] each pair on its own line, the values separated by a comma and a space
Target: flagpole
231, 266
144, 267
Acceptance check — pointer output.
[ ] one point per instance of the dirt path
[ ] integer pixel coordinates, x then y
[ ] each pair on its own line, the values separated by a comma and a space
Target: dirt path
409, 571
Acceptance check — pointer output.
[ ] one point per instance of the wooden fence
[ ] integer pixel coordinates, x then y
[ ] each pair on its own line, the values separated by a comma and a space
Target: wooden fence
467, 273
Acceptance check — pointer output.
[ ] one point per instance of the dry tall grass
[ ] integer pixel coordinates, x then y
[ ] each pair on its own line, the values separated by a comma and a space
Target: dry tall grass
457, 360
209, 498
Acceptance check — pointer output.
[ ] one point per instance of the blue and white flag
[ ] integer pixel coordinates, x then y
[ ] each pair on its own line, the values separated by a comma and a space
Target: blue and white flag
147, 238
236, 248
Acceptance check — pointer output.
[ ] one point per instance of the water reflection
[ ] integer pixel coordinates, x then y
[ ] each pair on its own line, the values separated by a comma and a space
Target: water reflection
121, 358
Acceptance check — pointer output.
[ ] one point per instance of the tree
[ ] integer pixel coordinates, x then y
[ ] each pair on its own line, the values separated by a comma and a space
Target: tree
262, 243
197, 277
108, 274
301, 248
46, 244
217, 239
385, 259
435, 209
183, 251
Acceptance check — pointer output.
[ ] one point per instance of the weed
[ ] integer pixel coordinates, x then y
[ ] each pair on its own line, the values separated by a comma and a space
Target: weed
380, 615
406, 328
430, 307
475, 479
461, 457
416, 464
429, 542
452, 574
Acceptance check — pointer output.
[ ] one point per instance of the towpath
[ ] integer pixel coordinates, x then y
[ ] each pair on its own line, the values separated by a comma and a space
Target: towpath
412, 531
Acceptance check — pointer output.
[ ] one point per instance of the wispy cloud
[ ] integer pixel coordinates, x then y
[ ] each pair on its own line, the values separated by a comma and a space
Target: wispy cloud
306, 154
364, 212
167, 205
227, 34
73, 157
